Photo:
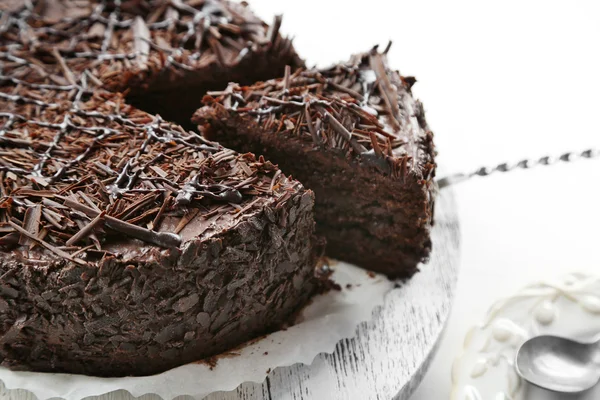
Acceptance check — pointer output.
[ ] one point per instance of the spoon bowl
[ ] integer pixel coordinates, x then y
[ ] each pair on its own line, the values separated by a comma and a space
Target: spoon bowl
559, 364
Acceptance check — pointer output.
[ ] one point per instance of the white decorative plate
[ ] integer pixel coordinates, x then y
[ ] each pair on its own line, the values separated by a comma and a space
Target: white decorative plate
569, 307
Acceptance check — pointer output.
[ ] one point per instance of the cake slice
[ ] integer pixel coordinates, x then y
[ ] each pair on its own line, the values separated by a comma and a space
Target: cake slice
164, 54
353, 134
131, 246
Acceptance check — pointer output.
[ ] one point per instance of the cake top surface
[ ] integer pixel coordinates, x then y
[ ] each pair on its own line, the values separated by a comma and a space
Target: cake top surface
82, 171
120, 41
361, 108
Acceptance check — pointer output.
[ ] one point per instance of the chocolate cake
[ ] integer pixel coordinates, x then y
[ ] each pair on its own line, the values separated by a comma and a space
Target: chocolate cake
130, 245
164, 54
354, 135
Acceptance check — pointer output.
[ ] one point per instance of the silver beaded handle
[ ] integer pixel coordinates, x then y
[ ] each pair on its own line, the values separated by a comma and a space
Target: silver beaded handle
523, 164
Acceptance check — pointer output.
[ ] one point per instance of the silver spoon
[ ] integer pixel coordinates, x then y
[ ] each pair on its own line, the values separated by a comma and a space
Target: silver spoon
559, 364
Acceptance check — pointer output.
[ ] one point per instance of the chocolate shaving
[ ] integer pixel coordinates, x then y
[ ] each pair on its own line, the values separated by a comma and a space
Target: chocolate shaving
375, 144
387, 90
339, 128
63, 65
31, 223
277, 174
141, 39
85, 231
387, 47
347, 90
311, 127
187, 217
274, 29
162, 239
286, 80
48, 246
157, 219
215, 192
215, 45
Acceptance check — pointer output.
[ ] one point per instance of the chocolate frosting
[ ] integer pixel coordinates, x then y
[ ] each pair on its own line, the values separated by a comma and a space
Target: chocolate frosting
130, 44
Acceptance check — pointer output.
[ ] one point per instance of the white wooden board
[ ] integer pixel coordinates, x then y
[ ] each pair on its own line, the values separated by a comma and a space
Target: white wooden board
388, 356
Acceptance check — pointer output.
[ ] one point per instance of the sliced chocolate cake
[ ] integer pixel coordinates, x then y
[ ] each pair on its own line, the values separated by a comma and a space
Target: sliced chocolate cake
164, 54
130, 246
354, 135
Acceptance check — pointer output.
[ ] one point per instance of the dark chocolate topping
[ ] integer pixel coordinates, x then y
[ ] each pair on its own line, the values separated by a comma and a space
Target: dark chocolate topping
361, 108
127, 44
92, 166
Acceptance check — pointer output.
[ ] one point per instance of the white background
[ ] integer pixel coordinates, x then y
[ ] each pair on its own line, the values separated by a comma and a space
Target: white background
500, 80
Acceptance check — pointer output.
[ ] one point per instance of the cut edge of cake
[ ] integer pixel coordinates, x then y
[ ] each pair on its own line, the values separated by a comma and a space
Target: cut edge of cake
352, 133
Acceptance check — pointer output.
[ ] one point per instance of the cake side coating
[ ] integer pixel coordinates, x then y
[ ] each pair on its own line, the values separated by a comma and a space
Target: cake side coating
131, 315
164, 54
354, 135
129, 245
